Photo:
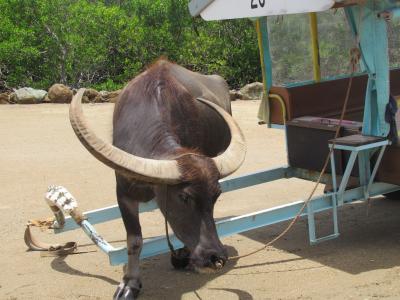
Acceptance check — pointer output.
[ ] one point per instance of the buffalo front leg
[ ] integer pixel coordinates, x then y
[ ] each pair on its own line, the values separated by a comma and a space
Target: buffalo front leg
130, 286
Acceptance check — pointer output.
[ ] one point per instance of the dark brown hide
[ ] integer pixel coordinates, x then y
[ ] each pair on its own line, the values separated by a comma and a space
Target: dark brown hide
158, 117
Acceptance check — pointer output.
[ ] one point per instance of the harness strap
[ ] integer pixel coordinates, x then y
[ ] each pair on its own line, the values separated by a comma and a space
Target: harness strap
48, 249
170, 246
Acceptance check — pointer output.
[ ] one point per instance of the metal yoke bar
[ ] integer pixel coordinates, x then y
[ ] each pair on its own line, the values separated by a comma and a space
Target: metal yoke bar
231, 184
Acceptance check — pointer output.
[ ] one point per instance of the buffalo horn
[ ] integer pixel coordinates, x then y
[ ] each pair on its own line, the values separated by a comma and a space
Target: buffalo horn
143, 169
232, 158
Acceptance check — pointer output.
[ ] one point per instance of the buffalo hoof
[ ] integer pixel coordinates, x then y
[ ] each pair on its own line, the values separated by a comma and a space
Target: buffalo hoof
181, 259
127, 291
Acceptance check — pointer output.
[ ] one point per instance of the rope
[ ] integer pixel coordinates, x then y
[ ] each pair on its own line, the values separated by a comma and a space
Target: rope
354, 60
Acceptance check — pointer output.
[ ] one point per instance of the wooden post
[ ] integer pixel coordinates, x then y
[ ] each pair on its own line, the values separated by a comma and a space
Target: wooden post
266, 66
315, 46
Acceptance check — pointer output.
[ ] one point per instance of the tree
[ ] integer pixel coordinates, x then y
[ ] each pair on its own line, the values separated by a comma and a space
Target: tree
104, 43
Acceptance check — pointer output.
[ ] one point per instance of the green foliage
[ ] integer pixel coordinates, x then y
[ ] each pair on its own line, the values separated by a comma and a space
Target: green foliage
108, 85
106, 43
103, 44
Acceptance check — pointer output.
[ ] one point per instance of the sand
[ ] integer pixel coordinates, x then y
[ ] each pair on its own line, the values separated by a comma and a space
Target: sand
39, 148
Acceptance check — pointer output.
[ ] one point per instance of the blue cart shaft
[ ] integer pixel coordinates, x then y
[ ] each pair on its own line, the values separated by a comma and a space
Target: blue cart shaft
230, 226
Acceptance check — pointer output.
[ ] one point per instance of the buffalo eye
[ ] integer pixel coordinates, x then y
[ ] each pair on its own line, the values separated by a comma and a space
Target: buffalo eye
185, 197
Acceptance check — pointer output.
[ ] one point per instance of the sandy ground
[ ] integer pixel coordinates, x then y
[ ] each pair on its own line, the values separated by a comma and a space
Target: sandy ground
38, 148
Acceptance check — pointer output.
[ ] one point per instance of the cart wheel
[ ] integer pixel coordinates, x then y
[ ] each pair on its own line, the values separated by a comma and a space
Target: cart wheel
393, 195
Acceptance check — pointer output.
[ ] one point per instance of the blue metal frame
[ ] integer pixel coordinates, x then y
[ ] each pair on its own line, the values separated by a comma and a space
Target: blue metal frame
230, 226
158, 245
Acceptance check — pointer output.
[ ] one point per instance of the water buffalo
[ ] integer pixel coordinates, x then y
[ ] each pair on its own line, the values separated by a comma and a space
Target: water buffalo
173, 139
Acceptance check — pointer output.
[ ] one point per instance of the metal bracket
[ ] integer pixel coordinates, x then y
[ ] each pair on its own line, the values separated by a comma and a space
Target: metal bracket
311, 223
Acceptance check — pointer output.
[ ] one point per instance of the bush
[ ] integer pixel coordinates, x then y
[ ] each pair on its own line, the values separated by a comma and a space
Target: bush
105, 43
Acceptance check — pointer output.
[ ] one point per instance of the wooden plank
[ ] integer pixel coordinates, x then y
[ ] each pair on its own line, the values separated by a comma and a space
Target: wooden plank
356, 140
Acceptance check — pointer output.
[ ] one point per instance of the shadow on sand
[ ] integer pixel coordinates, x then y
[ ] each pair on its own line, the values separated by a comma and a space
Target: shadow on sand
60, 265
369, 237
166, 277
368, 241
158, 274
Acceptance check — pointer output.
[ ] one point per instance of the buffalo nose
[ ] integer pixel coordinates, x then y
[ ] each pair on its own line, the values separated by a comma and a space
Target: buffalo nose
214, 258
218, 261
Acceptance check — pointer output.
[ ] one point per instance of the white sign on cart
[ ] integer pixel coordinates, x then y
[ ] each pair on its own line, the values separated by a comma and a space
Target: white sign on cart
234, 9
